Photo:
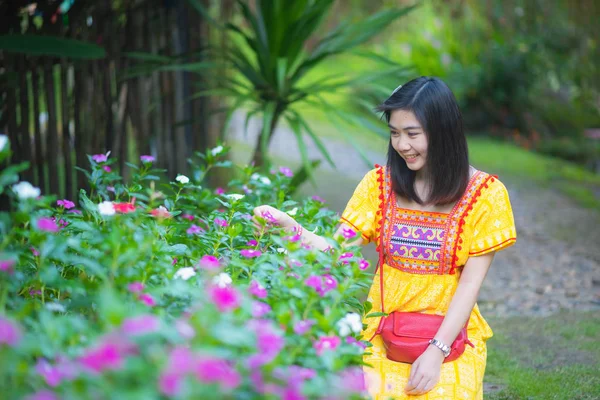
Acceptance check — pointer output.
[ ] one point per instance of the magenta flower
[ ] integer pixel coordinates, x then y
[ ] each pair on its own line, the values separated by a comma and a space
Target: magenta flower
47, 224
67, 204
221, 222
106, 356
252, 243
315, 282
42, 395
225, 298
363, 264
147, 159
260, 309
135, 287
106, 168
99, 158
348, 233
140, 325
181, 361
35, 292
50, 373
34, 251
344, 257
286, 171
211, 370
219, 191
256, 289
194, 230
110, 188
169, 384
249, 253
326, 343
209, 262
189, 217
352, 340
7, 266
269, 342
301, 327
329, 282
10, 333
269, 217
184, 329
174, 261
147, 300
319, 199
352, 380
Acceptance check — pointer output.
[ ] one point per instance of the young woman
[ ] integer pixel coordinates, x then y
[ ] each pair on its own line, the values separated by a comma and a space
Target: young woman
443, 220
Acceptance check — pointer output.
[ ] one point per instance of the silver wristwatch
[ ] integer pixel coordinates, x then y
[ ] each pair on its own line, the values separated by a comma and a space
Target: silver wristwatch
444, 348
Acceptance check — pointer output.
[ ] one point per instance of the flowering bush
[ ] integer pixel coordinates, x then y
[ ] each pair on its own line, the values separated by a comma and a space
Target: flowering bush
167, 290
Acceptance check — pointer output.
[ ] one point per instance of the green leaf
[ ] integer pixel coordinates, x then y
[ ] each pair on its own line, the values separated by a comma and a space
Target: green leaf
41, 45
376, 314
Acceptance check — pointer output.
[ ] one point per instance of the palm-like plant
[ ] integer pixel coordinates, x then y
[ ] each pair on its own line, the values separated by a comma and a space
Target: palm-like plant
267, 58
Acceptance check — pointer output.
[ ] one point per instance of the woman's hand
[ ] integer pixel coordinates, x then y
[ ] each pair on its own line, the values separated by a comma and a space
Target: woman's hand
425, 372
274, 216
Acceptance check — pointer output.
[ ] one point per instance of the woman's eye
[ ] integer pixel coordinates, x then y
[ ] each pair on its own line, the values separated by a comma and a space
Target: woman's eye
394, 133
412, 134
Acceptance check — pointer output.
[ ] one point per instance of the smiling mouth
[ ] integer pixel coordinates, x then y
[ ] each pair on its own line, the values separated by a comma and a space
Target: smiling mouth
411, 156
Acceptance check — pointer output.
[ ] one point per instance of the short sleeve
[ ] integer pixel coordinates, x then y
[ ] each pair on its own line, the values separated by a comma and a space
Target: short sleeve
361, 210
493, 223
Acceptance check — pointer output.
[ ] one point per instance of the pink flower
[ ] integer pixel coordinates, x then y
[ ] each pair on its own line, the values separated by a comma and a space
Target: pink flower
99, 158
50, 373
225, 298
67, 204
352, 340
286, 171
147, 300
301, 327
189, 217
315, 282
363, 264
160, 212
147, 159
329, 282
221, 222
184, 329
211, 370
106, 356
269, 343
34, 251
47, 224
42, 395
260, 309
326, 343
174, 261
269, 217
249, 253
125, 208
34, 292
10, 333
140, 325
256, 289
106, 168
135, 287
209, 262
344, 257
252, 243
7, 266
181, 361
194, 230
219, 191
169, 384
110, 189
348, 233
352, 380
319, 199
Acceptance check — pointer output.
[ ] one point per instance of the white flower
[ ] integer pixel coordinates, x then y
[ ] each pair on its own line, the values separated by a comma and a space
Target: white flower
222, 280
217, 150
351, 323
182, 179
258, 177
292, 212
55, 307
26, 190
185, 273
281, 250
265, 180
106, 208
235, 196
3, 142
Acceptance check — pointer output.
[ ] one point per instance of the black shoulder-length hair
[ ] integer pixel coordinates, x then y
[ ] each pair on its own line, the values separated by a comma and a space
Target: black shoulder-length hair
435, 107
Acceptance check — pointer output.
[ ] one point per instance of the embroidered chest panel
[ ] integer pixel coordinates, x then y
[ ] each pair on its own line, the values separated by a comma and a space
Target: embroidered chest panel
423, 242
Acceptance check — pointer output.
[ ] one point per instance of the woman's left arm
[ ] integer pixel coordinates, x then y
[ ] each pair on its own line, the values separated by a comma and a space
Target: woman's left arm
425, 371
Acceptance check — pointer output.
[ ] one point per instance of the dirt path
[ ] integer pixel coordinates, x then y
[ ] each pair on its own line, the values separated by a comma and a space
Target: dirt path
555, 264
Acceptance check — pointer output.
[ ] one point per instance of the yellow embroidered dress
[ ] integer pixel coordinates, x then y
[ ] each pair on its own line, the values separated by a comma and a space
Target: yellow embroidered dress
424, 255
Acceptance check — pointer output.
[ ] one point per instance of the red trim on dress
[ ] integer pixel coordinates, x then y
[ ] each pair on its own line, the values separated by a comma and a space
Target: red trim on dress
513, 239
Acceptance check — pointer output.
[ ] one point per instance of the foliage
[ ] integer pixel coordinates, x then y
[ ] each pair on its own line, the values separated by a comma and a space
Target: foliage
151, 290
270, 57
44, 45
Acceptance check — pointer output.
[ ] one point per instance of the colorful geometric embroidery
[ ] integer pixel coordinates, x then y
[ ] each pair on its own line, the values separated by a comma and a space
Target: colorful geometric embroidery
423, 242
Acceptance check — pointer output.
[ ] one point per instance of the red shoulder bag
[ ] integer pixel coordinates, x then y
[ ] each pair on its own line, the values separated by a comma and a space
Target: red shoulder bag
406, 335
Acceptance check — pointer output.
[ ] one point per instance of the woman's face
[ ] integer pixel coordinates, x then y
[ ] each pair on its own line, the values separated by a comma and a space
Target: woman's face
408, 139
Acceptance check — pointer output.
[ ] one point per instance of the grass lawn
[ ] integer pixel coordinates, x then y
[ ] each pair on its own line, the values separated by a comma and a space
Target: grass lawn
554, 357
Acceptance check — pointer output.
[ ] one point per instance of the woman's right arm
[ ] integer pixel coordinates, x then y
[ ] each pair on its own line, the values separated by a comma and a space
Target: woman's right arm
309, 238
